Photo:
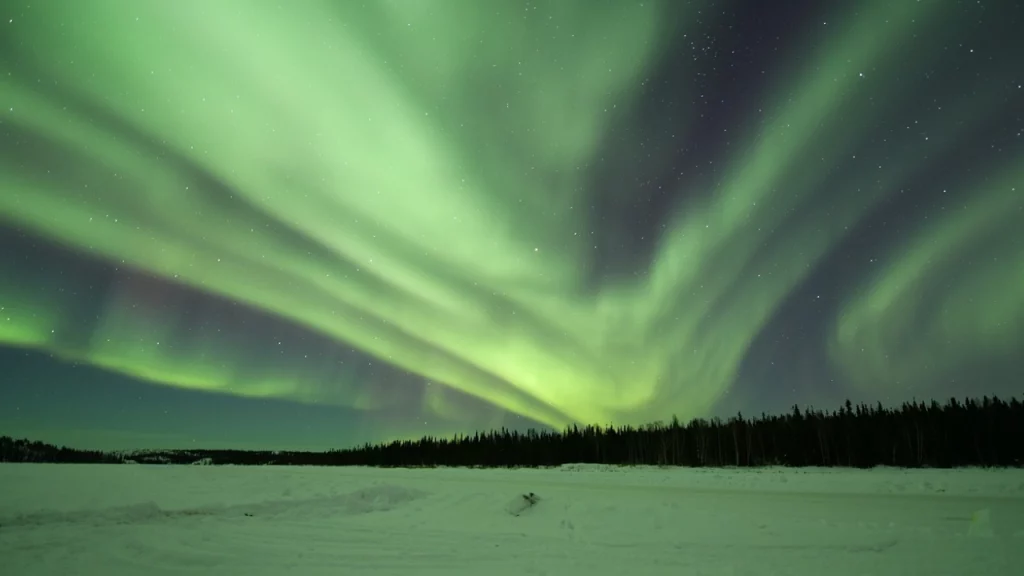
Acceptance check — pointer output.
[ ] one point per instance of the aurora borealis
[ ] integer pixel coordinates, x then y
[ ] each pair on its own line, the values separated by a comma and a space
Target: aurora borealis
404, 217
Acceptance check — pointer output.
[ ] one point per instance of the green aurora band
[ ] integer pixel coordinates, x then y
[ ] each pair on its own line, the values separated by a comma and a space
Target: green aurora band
979, 312
405, 178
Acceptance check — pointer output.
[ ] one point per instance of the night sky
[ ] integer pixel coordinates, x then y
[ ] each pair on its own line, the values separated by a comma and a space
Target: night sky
245, 223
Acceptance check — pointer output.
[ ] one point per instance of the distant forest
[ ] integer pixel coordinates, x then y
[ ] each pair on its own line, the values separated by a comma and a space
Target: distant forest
986, 432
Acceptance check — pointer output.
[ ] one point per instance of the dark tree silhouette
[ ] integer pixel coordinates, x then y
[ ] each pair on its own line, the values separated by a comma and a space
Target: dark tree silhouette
12, 450
968, 433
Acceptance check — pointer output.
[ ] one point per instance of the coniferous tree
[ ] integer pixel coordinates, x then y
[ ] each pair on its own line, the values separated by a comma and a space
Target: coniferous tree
959, 433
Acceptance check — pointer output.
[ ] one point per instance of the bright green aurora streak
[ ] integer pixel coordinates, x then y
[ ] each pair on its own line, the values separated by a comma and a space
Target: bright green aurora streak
405, 178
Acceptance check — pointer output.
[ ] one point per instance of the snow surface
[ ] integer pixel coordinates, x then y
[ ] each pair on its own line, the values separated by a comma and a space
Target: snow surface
226, 520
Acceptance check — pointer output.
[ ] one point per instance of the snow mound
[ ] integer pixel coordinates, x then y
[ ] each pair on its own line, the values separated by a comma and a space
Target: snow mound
580, 467
379, 498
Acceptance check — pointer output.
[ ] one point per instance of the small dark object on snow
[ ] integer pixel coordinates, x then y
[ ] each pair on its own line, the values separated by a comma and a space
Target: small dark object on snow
524, 502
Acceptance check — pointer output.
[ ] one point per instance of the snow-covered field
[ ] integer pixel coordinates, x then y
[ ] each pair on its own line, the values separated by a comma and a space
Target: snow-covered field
152, 520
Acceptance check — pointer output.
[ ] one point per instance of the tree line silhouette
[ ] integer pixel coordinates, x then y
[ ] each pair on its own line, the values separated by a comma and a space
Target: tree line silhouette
12, 450
989, 432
